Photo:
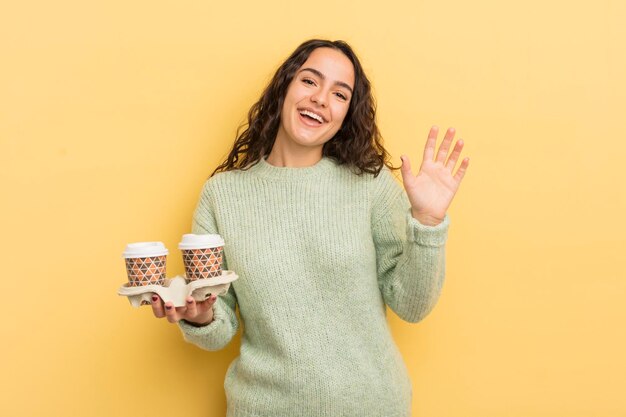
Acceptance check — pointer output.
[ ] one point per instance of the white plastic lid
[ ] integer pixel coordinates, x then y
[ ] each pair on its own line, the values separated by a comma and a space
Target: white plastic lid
192, 241
144, 249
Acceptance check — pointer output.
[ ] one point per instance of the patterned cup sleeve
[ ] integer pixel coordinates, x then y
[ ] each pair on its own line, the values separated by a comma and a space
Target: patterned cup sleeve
203, 263
146, 271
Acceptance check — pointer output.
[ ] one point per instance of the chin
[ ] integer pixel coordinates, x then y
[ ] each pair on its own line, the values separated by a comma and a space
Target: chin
311, 142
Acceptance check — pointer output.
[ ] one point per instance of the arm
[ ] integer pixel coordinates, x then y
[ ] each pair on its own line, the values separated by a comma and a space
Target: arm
221, 330
410, 256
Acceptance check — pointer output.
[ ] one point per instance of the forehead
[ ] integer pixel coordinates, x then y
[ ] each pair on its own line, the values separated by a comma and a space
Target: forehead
332, 63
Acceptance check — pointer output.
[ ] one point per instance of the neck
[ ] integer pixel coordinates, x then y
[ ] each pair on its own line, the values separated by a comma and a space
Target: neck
293, 157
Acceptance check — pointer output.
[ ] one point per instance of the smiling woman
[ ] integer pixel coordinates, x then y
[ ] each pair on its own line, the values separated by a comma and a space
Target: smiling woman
323, 239
320, 80
316, 104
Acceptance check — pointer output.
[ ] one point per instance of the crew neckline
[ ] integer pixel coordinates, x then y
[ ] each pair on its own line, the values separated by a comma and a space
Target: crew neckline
266, 170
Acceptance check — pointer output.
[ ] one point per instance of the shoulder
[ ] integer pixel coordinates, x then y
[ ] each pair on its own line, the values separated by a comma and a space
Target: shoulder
386, 184
221, 181
382, 186
386, 192
382, 190
384, 179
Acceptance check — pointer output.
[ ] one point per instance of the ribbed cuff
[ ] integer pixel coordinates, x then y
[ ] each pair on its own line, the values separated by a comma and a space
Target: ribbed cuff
218, 319
427, 235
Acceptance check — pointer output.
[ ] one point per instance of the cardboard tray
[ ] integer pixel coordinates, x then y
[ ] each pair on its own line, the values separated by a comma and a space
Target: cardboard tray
177, 290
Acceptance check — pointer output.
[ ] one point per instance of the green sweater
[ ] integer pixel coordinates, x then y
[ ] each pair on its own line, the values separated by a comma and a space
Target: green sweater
319, 252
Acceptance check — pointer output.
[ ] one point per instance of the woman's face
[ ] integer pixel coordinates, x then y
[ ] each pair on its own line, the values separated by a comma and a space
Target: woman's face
317, 99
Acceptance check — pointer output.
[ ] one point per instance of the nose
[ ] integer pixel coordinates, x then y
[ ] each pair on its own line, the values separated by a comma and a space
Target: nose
319, 98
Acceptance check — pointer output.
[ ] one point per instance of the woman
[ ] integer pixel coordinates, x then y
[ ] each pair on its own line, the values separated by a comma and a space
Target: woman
322, 238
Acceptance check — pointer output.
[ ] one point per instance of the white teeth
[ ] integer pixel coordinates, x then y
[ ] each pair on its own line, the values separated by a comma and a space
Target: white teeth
313, 115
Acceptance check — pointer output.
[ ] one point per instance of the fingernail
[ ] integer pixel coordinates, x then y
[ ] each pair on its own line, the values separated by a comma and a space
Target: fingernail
208, 295
155, 298
189, 301
168, 307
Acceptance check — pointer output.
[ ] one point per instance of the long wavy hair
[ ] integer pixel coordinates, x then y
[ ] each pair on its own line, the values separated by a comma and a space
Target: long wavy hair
358, 143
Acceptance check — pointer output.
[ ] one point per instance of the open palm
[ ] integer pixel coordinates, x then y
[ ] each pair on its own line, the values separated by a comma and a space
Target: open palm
431, 191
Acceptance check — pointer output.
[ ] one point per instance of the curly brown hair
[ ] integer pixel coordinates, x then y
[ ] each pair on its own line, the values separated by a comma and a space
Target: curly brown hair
357, 144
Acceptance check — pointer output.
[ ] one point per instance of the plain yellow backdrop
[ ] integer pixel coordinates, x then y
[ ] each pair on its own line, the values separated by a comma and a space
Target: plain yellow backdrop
112, 115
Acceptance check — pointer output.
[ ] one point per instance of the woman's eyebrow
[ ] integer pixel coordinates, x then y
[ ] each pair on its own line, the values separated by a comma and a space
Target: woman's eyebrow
323, 77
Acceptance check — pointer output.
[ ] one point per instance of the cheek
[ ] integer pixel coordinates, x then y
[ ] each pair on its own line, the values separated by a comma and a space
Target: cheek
295, 93
286, 111
340, 115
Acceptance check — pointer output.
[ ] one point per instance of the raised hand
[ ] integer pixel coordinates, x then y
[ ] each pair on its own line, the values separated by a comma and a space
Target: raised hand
431, 191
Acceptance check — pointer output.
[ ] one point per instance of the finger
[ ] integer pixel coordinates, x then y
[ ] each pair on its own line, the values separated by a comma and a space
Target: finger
405, 168
211, 300
170, 312
455, 155
157, 306
429, 149
207, 303
460, 173
442, 154
192, 310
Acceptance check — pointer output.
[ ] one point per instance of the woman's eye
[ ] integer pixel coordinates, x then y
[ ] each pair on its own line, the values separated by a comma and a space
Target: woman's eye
307, 81
341, 96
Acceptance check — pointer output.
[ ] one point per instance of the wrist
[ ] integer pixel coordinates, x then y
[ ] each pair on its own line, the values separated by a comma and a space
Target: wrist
199, 324
426, 219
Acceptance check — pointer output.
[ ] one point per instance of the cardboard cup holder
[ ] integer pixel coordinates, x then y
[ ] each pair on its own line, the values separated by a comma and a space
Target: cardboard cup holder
177, 289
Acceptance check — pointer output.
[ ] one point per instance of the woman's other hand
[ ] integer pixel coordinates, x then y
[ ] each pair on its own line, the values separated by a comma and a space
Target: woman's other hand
431, 191
195, 313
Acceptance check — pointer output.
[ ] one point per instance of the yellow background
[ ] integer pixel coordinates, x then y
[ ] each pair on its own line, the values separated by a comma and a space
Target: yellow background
112, 114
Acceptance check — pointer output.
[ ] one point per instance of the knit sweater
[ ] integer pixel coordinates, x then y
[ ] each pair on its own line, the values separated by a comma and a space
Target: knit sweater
320, 252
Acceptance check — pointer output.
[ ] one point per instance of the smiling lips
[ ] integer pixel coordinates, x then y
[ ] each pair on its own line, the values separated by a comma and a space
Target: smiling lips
308, 114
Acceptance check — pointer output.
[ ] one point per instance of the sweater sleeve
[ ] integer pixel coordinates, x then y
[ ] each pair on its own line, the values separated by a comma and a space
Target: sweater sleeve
410, 256
220, 332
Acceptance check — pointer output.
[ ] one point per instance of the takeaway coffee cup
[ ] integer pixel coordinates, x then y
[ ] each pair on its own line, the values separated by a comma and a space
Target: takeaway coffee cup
145, 263
202, 256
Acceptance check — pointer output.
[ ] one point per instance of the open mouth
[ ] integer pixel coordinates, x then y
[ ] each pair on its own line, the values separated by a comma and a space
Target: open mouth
310, 116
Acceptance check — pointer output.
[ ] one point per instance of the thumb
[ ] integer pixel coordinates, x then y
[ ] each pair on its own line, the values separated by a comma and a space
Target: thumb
405, 169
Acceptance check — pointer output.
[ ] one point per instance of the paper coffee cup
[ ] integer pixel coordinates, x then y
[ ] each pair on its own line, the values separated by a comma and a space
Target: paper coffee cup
202, 255
145, 263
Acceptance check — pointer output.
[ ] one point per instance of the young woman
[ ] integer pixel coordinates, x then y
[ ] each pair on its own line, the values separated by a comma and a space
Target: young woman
323, 239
